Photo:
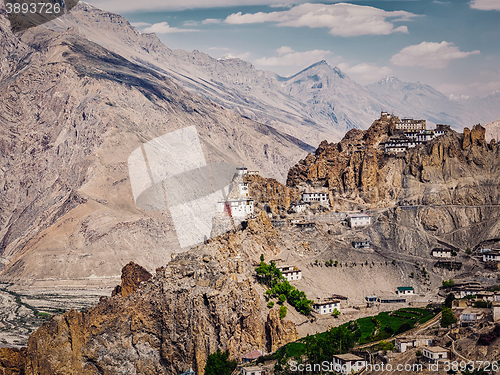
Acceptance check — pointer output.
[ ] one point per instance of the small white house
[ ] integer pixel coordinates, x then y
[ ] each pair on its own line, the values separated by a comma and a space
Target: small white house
435, 353
251, 356
299, 207
358, 220
326, 307
315, 197
441, 253
402, 344
290, 273
348, 363
405, 291
495, 311
492, 256
253, 370
236, 207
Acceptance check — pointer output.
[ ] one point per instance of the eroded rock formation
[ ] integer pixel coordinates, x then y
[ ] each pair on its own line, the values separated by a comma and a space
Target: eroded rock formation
202, 300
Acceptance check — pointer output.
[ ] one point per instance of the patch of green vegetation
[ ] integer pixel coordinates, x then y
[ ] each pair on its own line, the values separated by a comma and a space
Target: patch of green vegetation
43, 315
270, 275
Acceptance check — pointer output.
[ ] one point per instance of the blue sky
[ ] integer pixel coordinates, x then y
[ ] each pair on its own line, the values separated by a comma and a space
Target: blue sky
452, 45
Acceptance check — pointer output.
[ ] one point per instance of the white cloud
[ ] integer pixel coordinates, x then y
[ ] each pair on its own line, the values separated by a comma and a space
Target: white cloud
429, 55
342, 19
191, 23
134, 5
219, 48
284, 49
164, 28
288, 57
281, 5
485, 4
365, 73
210, 21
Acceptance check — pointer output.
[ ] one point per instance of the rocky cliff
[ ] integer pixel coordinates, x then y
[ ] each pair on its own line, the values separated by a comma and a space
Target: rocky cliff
202, 300
452, 169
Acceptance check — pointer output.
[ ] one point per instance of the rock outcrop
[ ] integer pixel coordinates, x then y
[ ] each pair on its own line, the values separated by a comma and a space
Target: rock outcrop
12, 361
132, 276
279, 332
452, 169
202, 300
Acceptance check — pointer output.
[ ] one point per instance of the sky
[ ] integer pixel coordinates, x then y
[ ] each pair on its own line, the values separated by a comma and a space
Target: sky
453, 45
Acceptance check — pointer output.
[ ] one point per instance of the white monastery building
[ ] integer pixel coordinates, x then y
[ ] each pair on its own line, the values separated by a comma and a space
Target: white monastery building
358, 220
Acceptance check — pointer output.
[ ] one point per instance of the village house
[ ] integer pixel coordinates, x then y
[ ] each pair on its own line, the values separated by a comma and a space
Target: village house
189, 372
491, 256
251, 356
299, 207
253, 370
485, 295
306, 226
402, 344
327, 306
495, 311
290, 273
391, 300
441, 253
405, 291
252, 173
358, 220
348, 363
459, 303
361, 244
371, 299
435, 353
315, 197
470, 316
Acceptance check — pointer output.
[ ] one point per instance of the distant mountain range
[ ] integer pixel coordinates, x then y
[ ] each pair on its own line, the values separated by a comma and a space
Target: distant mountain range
320, 102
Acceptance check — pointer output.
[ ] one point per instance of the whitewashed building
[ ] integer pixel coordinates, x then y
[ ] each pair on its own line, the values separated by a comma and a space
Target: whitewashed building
348, 363
326, 307
290, 273
435, 353
441, 253
358, 220
402, 344
491, 256
405, 291
253, 370
315, 197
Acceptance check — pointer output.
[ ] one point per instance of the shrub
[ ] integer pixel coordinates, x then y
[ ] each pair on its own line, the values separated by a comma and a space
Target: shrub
283, 311
419, 353
335, 312
448, 283
270, 304
468, 251
447, 318
218, 364
282, 298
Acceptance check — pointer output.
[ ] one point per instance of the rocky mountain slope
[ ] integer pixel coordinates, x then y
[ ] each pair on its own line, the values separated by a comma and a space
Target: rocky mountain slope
493, 130
163, 324
72, 112
318, 103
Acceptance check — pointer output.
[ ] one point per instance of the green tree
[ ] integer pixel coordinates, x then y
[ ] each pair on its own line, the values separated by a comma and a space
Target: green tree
283, 311
335, 312
447, 317
468, 251
282, 298
261, 257
218, 363
448, 283
449, 300
270, 304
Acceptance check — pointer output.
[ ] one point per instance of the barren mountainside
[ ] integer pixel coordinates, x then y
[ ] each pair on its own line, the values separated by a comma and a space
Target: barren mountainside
72, 112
